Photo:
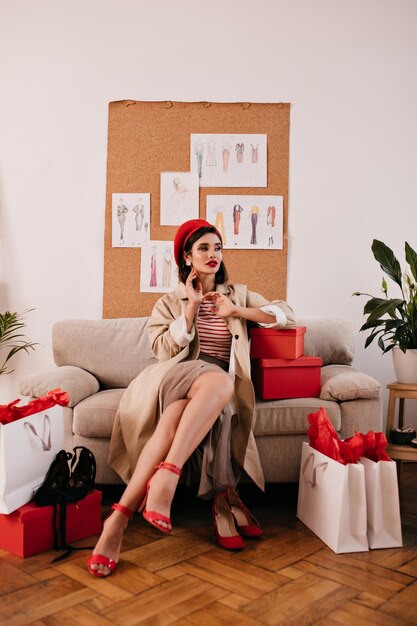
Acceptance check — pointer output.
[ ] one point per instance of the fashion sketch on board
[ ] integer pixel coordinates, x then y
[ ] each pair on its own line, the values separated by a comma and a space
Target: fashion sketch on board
247, 221
167, 266
179, 197
254, 216
121, 216
129, 213
240, 148
199, 152
139, 211
226, 156
158, 272
229, 160
270, 220
219, 221
153, 280
237, 210
211, 160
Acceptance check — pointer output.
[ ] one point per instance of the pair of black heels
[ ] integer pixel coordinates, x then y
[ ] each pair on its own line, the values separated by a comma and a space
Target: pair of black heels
67, 483
64, 484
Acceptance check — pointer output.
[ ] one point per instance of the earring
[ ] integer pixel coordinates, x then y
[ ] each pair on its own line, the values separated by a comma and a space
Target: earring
188, 262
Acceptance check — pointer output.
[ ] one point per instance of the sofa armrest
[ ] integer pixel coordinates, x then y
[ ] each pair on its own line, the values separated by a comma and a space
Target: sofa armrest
78, 383
342, 383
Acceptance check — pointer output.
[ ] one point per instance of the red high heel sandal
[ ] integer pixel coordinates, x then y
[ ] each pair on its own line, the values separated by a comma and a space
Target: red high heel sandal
98, 559
224, 525
153, 517
247, 524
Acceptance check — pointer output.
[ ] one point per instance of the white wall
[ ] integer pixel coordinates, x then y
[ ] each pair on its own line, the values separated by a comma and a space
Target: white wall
348, 68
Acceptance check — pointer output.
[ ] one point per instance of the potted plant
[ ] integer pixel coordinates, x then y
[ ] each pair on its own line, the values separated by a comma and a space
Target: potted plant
394, 320
11, 338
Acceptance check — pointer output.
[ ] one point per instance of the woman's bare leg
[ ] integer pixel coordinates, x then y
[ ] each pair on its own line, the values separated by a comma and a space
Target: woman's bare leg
153, 452
208, 395
180, 430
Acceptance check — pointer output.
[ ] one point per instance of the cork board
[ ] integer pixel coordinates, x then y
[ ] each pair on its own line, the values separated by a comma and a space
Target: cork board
147, 138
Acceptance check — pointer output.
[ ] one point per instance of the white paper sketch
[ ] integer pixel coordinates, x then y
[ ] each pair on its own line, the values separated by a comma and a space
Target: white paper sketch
131, 214
158, 270
247, 222
234, 160
179, 197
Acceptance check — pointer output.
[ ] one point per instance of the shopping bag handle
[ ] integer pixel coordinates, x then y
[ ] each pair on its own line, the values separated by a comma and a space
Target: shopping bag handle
313, 481
44, 441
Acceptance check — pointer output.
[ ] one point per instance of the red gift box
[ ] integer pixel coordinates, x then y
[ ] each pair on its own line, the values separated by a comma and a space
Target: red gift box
29, 529
268, 343
287, 378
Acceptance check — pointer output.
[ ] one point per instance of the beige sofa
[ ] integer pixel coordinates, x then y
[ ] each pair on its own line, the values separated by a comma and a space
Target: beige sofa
97, 360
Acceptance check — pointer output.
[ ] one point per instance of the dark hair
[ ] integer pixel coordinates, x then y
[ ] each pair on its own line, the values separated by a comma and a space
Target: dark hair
184, 269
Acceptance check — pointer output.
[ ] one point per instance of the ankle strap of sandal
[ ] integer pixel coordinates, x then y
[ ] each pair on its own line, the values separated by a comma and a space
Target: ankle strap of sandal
169, 466
122, 509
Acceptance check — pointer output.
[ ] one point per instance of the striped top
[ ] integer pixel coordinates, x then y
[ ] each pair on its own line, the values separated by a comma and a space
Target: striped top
215, 337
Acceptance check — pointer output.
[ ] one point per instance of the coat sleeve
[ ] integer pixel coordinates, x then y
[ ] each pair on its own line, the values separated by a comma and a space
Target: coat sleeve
167, 333
285, 316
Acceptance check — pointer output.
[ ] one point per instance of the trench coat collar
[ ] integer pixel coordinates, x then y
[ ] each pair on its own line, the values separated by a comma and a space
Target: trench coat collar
182, 295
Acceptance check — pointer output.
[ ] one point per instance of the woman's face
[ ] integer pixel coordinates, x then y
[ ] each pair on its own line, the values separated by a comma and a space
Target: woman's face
206, 254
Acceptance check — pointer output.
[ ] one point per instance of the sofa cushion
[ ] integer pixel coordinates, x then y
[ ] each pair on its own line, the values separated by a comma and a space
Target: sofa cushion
75, 381
114, 351
333, 340
289, 417
340, 382
94, 416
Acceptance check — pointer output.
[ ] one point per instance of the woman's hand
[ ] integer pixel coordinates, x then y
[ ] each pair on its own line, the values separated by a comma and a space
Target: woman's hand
194, 293
221, 304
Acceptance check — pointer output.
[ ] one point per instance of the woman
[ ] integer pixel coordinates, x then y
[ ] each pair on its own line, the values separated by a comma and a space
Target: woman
201, 381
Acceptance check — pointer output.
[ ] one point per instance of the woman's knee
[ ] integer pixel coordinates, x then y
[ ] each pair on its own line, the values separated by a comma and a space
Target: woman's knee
219, 384
223, 386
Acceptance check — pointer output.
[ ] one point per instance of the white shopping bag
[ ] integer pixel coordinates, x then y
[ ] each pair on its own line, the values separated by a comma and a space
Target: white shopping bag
383, 504
27, 448
332, 501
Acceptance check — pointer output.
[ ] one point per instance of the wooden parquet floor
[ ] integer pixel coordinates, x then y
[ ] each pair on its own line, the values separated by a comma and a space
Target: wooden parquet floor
287, 577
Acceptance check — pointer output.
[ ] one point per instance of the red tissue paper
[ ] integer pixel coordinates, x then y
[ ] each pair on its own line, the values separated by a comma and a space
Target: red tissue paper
324, 438
11, 412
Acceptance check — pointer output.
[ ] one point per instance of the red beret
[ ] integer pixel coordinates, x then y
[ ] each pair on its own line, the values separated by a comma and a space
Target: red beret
184, 232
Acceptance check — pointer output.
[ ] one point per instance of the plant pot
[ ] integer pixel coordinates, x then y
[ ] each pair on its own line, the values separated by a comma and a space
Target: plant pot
405, 365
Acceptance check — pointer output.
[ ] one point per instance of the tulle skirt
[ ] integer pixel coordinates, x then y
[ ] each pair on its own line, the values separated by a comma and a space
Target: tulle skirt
211, 465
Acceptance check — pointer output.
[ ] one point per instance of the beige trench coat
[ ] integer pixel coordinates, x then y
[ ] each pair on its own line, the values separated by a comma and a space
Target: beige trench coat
138, 411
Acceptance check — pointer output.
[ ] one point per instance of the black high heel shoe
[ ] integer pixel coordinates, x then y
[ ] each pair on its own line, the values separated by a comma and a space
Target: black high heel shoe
83, 473
54, 487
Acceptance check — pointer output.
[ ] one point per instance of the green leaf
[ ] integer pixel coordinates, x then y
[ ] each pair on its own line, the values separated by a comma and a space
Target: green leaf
387, 260
374, 324
11, 339
411, 258
388, 306
381, 344
372, 336
373, 303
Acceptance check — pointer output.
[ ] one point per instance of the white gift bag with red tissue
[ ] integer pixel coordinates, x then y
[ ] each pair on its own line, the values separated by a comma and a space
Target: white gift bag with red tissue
28, 445
382, 503
332, 501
